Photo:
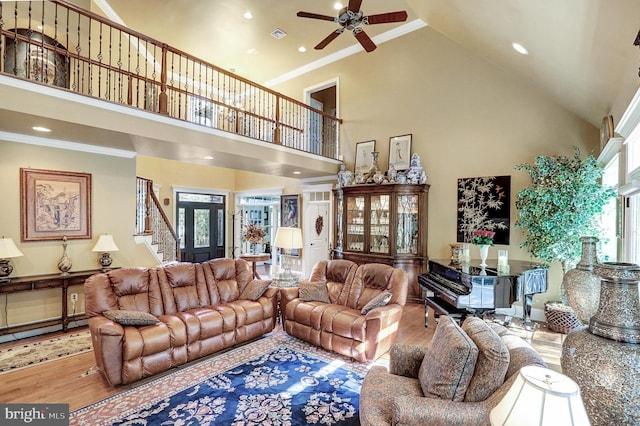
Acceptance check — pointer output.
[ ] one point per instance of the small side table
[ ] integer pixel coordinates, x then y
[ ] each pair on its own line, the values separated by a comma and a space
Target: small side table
254, 259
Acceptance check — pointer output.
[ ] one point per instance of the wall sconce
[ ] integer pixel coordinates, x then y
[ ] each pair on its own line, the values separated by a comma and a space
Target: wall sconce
8, 250
104, 245
288, 238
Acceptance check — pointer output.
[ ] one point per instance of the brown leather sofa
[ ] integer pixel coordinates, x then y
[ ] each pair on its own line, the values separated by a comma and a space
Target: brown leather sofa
339, 325
197, 310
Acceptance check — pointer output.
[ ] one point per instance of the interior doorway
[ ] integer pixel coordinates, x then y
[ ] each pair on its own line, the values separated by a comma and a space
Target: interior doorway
200, 226
323, 96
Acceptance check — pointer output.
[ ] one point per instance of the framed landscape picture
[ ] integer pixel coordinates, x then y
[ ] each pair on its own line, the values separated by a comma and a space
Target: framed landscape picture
54, 204
400, 152
363, 155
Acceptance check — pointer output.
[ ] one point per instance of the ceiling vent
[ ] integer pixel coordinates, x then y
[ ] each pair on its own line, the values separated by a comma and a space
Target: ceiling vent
278, 33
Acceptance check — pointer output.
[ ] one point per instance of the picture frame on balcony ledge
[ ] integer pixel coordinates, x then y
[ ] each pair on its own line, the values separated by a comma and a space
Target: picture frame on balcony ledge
363, 155
54, 204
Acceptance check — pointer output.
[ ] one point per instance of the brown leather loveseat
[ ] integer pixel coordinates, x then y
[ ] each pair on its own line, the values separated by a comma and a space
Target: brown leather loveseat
147, 320
357, 317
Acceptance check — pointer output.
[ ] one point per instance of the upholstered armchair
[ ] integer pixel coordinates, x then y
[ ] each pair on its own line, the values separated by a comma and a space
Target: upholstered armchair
456, 380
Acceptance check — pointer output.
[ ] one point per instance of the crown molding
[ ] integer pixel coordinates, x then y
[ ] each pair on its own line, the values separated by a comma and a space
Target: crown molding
62, 144
351, 50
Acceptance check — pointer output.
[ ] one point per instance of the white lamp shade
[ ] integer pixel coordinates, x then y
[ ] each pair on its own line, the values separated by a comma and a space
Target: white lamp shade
540, 397
288, 238
105, 244
8, 249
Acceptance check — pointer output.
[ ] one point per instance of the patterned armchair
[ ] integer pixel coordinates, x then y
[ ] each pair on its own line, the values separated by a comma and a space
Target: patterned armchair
456, 380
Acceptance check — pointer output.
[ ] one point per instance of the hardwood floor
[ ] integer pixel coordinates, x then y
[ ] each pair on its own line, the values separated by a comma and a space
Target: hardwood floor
74, 380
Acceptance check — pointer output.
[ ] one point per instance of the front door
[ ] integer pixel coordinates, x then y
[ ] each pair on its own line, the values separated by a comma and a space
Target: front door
316, 232
200, 226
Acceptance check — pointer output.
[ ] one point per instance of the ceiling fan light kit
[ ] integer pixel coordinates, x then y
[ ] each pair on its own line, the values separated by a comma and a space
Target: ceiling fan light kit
351, 18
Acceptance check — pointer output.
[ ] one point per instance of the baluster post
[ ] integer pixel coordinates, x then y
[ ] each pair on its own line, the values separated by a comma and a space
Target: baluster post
147, 205
163, 99
276, 130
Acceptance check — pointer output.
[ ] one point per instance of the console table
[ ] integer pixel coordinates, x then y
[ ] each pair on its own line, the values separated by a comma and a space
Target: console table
43, 282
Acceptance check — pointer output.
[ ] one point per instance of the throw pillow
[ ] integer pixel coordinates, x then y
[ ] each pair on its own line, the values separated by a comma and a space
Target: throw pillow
125, 317
381, 299
254, 289
448, 364
314, 291
493, 360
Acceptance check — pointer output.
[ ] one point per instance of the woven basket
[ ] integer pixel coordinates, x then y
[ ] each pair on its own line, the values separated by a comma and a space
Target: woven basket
561, 318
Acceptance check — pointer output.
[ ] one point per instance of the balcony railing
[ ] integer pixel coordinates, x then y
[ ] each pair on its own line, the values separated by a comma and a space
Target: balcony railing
57, 43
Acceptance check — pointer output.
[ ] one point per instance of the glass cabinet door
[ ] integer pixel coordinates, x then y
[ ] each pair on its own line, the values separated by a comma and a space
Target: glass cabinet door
355, 223
408, 229
379, 236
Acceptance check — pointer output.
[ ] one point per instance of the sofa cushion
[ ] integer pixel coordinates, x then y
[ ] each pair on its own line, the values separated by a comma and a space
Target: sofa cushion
449, 362
380, 300
254, 289
125, 317
493, 360
314, 291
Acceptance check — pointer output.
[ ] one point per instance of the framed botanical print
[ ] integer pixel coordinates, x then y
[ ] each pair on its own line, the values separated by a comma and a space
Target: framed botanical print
54, 204
400, 152
363, 155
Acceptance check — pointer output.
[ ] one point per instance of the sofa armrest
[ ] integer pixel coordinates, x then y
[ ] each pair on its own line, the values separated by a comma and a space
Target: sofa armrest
287, 294
106, 337
414, 410
405, 360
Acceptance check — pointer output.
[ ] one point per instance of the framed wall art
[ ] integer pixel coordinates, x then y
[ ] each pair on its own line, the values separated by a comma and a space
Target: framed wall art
54, 204
363, 155
400, 152
290, 210
484, 203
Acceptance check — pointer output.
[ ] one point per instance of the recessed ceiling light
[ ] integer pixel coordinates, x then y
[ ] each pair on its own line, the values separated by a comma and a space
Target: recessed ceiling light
40, 27
41, 129
297, 172
520, 48
248, 15
302, 49
337, 6
208, 157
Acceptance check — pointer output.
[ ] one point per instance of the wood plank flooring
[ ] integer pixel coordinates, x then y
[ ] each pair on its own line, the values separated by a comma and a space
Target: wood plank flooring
75, 381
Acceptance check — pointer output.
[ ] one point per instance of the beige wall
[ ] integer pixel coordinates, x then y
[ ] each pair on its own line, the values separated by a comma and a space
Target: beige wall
113, 184
468, 118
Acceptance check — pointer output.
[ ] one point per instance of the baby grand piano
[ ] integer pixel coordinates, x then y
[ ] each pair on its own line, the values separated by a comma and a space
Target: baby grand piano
470, 290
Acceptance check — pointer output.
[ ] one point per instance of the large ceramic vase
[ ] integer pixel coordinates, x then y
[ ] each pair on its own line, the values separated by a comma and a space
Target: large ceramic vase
605, 358
581, 284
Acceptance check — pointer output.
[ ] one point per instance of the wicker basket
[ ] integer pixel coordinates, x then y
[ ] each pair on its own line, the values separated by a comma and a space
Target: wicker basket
561, 318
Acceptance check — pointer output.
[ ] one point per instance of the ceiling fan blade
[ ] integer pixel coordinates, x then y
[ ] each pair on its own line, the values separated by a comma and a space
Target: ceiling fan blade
384, 18
329, 39
315, 16
364, 40
354, 5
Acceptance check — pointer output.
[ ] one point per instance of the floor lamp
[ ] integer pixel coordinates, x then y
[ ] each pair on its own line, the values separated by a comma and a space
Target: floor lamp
287, 239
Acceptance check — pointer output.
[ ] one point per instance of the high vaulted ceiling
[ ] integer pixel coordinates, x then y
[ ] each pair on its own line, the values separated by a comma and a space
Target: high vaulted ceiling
580, 51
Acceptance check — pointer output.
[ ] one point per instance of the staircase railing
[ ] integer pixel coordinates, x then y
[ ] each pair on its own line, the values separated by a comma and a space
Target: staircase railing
151, 220
57, 43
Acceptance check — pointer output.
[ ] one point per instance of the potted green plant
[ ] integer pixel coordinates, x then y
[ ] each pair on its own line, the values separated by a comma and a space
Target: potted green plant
564, 202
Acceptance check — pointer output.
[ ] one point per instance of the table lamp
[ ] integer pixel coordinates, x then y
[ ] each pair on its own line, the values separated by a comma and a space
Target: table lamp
540, 396
8, 250
288, 238
104, 245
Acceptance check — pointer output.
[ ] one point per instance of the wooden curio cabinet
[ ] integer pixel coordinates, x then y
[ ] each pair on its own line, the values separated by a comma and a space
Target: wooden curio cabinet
384, 224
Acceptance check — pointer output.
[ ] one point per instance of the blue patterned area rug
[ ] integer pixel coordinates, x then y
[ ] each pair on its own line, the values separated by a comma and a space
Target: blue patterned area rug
277, 380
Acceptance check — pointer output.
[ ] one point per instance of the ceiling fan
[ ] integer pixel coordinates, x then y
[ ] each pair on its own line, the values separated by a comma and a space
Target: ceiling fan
350, 18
